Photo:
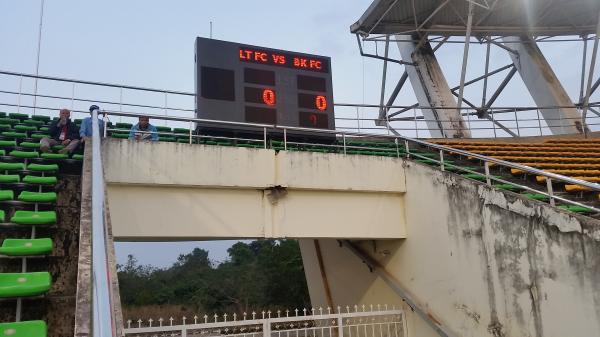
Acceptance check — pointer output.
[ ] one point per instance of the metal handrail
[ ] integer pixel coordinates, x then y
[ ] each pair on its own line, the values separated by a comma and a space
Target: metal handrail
360, 134
103, 313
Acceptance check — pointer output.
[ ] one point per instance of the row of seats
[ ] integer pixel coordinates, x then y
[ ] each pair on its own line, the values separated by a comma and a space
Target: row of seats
576, 158
26, 187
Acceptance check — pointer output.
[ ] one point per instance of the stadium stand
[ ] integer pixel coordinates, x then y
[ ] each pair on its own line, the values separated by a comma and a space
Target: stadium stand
30, 227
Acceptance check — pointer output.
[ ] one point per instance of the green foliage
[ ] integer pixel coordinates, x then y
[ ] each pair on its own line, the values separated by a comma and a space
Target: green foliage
260, 274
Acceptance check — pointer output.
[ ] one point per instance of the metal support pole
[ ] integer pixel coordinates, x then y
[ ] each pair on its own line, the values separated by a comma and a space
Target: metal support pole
397, 147
463, 72
539, 121
485, 79
265, 137
517, 124
191, 128
406, 149
416, 125
73, 97
486, 166
285, 139
590, 78
550, 191
493, 123
357, 120
344, 140
20, 91
583, 63
383, 110
442, 160
37, 65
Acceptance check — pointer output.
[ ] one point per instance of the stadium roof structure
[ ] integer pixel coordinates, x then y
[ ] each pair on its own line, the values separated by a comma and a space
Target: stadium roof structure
490, 17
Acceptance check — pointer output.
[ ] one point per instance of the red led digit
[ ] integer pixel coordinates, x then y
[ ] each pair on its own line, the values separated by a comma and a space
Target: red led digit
321, 102
268, 97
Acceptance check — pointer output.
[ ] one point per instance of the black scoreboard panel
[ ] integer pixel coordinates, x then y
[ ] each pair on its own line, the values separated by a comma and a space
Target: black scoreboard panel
242, 83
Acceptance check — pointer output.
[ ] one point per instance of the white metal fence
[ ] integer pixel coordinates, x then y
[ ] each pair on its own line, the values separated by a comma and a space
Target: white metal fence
363, 321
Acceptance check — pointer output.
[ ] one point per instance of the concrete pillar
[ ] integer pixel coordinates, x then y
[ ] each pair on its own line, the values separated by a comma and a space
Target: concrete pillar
432, 90
544, 86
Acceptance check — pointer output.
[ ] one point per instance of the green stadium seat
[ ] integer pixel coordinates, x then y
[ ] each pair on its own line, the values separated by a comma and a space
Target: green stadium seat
25, 128
509, 187
39, 136
123, 125
475, 176
183, 140
24, 329
2, 153
181, 130
78, 157
11, 166
19, 116
576, 209
5, 127
24, 284
78, 121
9, 178
2, 114
35, 196
7, 195
39, 167
8, 121
2, 216
34, 218
49, 155
13, 135
8, 143
167, 139
120, 135
536, 196
41, 118
33, 122
25, 247
163, 129
44, 129
29, 179
29, 145
24, 154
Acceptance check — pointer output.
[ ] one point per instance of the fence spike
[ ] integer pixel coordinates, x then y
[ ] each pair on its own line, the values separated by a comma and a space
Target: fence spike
195, 319
160, 320
128, 323
371, 305
253, 314
225, 317
150, 322
348, 309
171, 320
363, 307
263, 314
355, 308
183, 319
328, 310
216, 318
269, 314
278, 313
378, 307
205, 318
245, 314
304, 311
296, 310
139, 323
339, 309
287, 313
234, 317
320, 310
385, 306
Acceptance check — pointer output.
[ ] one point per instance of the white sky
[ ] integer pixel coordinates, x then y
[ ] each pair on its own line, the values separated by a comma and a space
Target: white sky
151, 44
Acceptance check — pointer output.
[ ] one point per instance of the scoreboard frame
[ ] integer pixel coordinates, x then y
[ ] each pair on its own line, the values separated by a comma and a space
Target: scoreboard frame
252, 84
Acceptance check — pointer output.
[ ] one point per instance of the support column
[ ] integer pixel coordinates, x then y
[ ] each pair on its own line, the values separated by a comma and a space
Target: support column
432, 90
544, 86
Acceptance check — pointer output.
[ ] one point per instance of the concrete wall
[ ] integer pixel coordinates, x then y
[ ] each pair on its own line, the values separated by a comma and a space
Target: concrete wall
482, 262
170, 191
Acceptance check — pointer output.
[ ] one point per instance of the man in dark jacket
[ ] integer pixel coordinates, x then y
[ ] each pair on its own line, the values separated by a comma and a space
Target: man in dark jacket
63, 132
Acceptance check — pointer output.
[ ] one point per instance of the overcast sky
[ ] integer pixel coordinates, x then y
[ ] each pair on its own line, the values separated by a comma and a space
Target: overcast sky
151, 44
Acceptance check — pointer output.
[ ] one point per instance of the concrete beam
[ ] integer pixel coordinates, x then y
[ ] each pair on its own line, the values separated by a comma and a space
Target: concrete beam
170, 192
544, 87
432, 90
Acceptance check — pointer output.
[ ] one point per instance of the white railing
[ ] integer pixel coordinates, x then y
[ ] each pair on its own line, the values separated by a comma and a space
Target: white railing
356, 321
408, 121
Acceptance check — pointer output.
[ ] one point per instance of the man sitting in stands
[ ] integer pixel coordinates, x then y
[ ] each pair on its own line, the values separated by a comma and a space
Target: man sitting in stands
85, 132
63, 132
143, 130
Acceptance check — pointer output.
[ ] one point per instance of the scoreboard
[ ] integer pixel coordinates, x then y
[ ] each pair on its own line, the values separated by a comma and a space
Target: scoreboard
243, 83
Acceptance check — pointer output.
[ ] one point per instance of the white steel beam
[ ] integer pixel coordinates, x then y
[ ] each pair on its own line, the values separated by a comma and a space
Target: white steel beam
432, 90
544, 86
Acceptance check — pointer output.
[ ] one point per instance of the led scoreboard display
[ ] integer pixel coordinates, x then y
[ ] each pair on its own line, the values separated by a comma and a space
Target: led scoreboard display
242, 83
